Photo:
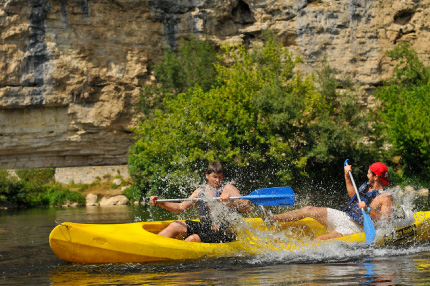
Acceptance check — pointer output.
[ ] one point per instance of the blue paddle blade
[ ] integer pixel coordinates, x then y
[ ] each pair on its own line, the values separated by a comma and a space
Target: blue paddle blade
369, 228
277, 196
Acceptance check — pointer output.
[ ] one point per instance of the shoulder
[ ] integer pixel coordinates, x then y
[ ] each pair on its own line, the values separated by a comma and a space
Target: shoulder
384, 197
230, 188
195, 194
384, 194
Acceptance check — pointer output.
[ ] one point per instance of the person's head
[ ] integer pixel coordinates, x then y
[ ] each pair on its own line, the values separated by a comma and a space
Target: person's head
215, 174
378, 172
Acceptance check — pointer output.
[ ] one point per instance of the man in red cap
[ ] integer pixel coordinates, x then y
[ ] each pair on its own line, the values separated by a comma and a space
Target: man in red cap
340, 223
381, 171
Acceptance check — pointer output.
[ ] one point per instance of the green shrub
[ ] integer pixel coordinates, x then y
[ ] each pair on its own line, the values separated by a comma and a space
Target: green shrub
37, 177
35, 187
133, 193
57, 196
192, 65
10, 189
403, 112
341, 128
264, 121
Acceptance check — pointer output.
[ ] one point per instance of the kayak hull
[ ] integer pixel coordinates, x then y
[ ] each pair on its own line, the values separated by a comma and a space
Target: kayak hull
139, 242
132, 242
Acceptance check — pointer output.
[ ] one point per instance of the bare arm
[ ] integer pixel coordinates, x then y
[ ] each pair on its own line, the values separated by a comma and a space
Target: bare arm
175, 207
231, 191
349, 185
381, 206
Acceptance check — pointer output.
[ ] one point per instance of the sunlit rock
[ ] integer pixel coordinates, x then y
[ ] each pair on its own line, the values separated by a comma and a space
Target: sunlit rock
71, 71
423, 192
91, 200
115, 200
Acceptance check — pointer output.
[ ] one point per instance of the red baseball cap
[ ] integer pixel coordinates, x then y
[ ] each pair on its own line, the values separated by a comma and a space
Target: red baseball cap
380, 170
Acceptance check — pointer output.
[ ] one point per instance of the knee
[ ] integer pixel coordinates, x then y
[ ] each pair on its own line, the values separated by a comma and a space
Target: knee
176, 227
309, 209
314, 212
193, 238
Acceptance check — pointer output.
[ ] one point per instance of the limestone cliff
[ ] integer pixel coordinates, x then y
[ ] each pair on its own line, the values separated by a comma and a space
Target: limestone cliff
71, 70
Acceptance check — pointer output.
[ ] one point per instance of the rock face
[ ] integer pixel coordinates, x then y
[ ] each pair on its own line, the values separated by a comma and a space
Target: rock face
71, 71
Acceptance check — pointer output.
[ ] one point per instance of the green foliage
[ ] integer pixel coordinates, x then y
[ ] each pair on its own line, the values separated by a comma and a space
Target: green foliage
404, 111
193, 64
34, 187
340, 128
37, 177
56, 195
133, 193
10, 189
409, 69
263, 119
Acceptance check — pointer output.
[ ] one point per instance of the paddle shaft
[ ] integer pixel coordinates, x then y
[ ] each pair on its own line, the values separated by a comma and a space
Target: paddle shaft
369, 228
355, 187
192, 200
276, 196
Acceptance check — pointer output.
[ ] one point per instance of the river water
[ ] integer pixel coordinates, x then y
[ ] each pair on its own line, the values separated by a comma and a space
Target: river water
26, 259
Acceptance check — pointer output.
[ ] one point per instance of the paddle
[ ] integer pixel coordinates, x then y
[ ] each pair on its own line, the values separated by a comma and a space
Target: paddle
276, 196
369, 228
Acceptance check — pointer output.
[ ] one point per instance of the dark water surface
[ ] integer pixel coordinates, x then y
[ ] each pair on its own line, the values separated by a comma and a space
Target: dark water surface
26, 259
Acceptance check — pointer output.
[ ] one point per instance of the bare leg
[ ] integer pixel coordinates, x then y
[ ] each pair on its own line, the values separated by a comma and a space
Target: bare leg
332, 234
317, 213
174, 229
193, 238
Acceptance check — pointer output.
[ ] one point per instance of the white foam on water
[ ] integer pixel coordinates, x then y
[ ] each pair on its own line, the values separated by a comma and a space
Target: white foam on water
334, 251
294, 245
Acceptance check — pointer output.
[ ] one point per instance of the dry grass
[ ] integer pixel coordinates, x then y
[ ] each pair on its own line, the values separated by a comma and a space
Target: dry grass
104, 188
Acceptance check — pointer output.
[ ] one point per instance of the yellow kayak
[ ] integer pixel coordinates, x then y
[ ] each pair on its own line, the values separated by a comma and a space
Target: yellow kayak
139, 242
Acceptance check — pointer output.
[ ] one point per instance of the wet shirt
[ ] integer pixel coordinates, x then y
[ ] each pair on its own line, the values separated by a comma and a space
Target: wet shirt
353, 210
211, 212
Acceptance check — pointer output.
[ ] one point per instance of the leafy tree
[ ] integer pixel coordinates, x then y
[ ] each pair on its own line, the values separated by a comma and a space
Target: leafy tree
192, 64
264, 119
10, 189
341, 128
409, 69
324, 123
34, 187
404, 108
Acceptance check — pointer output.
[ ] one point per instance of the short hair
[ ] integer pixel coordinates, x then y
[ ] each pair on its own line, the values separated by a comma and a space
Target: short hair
214, 167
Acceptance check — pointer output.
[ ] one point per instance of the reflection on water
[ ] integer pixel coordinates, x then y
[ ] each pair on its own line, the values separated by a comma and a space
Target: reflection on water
25, 258
377, 275
375, 271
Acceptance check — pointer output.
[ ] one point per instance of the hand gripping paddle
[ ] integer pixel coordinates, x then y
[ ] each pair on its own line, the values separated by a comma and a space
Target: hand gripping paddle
276, 196
369, 228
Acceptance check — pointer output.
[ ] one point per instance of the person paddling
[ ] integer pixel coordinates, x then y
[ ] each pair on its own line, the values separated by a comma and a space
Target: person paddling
213, 225
374, 201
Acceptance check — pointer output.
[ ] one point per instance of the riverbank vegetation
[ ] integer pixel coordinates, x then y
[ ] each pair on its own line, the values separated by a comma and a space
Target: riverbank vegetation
38, 188
34, 187
403, 113
271, 124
